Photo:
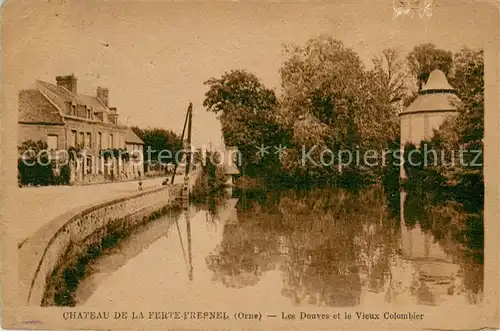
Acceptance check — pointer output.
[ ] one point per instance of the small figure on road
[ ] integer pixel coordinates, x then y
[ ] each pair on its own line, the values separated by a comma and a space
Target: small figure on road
140, 184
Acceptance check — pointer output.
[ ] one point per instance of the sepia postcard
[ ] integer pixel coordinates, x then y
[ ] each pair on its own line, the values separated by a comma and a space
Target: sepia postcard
312, 165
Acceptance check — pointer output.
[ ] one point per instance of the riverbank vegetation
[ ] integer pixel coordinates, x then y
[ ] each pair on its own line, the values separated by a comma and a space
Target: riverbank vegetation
76, 264
211, 183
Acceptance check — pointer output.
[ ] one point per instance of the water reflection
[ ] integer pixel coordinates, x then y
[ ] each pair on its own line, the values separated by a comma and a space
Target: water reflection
441, 266
317, 248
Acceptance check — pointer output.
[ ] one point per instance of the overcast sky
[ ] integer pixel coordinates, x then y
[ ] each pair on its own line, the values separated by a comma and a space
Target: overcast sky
155, 56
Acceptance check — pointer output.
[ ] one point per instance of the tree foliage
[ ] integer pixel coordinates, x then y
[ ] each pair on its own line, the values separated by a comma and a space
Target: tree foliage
36, 168
389, 87
322, 83
211, 183
240, 89
468, 79
389, 75
425, 58
247, 112
157, 140
331, 101
465, 131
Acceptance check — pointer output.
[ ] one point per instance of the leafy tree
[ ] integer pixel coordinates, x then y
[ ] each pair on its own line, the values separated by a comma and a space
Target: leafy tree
34, 166
211, 183
246, 109
240, 89
389, 77
321, 82
31, 148
466, 131
468, 79
329, 103
425, 58
157, 140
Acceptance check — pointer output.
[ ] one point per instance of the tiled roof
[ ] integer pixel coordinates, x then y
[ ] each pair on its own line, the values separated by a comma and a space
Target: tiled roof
437, 81
59, 95
131, 137
436, 95
35, 108
433, 102
49, 104
93, 102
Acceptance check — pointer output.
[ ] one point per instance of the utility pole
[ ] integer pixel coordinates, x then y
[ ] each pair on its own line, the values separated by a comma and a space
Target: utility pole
186, 191
190, 121
182, 137
185, 188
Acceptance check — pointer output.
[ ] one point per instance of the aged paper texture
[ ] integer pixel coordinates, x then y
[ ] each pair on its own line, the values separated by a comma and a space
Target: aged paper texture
250, 165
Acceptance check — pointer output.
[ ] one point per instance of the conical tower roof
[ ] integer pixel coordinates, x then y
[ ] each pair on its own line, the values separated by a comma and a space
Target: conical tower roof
437, 82
437, 95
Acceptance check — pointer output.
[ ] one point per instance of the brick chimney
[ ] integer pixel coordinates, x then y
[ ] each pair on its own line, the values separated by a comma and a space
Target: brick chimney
103, 95
68, 82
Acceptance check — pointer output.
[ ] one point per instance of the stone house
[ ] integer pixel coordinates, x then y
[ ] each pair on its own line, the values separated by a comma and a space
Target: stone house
135, 146
84, 126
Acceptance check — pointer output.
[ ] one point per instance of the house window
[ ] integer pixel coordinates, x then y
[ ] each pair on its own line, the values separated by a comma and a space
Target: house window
81, 139
68, 107
89, 165
82, 111
99, 165
73, 110
88, 141
52, 141
74, 138
111, 142
89, 114
99, 140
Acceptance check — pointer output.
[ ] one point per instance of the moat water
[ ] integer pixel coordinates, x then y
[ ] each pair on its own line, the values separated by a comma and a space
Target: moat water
245, 254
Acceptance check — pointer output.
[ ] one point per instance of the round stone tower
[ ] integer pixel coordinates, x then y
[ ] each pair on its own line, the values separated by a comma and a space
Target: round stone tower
435, 102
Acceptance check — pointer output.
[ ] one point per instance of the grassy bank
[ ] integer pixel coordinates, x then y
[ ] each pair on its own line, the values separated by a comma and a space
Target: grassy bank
75, 264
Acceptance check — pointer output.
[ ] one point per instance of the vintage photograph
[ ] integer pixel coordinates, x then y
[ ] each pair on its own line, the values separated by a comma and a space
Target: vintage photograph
308, 165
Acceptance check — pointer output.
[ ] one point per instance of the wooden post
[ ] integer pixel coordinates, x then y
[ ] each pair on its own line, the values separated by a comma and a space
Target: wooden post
185, 190
182, 137
190, 115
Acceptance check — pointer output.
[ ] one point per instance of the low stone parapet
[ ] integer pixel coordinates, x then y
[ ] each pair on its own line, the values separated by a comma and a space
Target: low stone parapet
64, 237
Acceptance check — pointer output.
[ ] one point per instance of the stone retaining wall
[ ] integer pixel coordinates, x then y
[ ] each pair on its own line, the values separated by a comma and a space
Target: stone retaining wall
43, 252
